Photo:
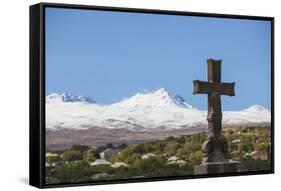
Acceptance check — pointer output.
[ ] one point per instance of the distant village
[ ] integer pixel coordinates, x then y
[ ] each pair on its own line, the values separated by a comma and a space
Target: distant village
170, 157
108, 153
105, 159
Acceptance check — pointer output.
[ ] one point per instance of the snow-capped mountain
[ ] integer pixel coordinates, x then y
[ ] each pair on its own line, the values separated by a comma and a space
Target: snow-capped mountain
156, 98
66, 97
154, 110
257, 109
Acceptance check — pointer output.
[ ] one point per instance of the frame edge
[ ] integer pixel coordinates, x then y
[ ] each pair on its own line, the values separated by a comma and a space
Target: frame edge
35, 157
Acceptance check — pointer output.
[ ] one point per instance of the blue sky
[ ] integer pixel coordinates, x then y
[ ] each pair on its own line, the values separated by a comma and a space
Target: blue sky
112, 55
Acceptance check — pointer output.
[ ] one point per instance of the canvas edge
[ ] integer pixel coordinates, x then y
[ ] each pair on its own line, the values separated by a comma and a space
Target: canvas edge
37, 92
36, 96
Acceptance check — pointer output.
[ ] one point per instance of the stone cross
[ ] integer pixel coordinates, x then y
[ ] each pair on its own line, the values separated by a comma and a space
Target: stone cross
216, 146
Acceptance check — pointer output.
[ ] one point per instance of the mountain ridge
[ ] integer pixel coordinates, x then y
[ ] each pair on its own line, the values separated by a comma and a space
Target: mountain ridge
67, 97
156, 98
154, 110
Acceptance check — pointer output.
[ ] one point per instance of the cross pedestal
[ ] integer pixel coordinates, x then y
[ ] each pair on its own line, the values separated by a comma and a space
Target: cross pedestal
215, 147
218, 167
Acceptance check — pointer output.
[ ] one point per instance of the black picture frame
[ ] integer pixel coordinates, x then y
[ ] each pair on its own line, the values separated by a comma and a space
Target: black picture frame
37, 92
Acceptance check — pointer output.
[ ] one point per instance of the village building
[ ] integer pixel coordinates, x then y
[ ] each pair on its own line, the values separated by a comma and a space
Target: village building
257, 155
100, 162
147, 156
108, 153
177, 162
49, 154
236, 141
118, 164
173, 158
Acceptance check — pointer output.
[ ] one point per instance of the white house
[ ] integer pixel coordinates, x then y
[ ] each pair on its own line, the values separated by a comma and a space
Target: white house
261, 155
100, 162
49, 154
118, 164
173, 158
177, 162
147, 156
236, 141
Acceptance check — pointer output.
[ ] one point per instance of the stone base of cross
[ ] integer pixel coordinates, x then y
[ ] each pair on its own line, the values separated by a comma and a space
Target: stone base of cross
216, 146
218, 168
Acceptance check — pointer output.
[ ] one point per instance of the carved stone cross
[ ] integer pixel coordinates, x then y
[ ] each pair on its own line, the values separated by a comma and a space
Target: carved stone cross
215, 147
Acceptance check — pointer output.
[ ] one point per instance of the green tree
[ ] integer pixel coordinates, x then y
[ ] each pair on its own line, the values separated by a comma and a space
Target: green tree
91, 155
122, 146
244, 130
51, 159
196, 157
139, 149
72, 155
159, 147
191, 147
110, 146
75, 171
171, 148
181, 153
81, 148
151, 164
263, 147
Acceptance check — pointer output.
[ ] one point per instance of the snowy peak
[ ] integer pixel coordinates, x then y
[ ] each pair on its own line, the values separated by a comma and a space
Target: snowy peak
158, 109
155, 98
66, 97
256, 109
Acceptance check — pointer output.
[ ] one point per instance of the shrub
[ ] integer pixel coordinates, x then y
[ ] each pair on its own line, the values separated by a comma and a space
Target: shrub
72, 155
81, 148
196, 157
91, 155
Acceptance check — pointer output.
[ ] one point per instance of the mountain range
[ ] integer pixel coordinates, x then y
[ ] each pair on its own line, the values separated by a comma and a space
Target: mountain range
158, 110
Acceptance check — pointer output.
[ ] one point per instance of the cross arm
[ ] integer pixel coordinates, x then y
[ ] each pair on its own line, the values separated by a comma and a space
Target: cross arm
201, 87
